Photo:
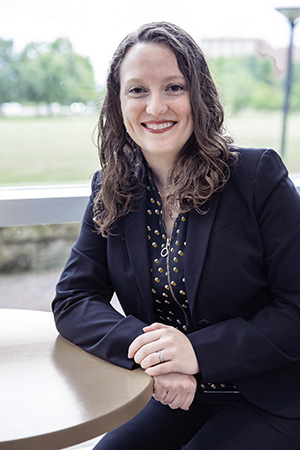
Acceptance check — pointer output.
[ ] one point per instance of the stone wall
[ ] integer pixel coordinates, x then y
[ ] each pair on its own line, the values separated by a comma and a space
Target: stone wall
36, 248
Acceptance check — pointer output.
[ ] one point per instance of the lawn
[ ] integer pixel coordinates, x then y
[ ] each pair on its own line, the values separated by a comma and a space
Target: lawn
257, 129
47, 150
61, 149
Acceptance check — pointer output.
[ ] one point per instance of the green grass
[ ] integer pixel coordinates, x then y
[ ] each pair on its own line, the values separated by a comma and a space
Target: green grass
257, 129
47, 150
61, 150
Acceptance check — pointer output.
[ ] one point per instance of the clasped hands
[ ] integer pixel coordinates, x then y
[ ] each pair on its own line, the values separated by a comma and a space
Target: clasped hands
174, 383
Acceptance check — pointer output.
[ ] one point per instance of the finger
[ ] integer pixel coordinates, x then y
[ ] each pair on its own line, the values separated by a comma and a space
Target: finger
160, 369
188, 401
182, 401
160, 391
140, 341
155, 326
169, 399
164, 396
176, 402
160, 395
149, 361
153, 350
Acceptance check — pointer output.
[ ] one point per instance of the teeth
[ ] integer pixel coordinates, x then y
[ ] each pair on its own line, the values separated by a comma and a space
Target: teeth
159, 126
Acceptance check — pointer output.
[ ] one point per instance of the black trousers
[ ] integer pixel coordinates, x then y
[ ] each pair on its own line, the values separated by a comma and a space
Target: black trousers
213, 422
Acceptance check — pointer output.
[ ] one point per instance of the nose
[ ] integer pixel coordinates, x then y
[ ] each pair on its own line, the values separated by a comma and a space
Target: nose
156, 104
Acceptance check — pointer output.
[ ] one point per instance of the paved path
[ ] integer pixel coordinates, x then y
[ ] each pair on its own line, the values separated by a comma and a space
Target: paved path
32, 291
28, 290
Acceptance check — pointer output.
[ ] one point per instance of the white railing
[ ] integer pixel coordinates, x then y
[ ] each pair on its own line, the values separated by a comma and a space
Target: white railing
49, 204
43, 204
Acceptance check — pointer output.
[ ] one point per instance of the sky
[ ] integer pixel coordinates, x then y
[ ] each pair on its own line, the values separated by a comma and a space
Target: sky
95, 27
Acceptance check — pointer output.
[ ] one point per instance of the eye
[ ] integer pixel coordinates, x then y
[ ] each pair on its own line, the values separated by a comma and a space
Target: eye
136, 91
175, 88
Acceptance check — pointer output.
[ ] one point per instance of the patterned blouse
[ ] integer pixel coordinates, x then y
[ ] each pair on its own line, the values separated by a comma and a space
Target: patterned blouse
170, 303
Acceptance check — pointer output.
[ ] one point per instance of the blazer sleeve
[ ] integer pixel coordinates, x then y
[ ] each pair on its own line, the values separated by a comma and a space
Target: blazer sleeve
81, 307
238, 348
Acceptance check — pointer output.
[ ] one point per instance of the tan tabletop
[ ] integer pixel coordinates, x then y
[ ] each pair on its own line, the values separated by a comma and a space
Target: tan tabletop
52, 393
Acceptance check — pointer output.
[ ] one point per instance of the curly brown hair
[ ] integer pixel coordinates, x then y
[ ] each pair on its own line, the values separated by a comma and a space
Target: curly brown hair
201, 167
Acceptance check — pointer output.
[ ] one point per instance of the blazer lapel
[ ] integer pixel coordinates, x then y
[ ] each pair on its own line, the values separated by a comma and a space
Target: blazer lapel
138, 250
198, 234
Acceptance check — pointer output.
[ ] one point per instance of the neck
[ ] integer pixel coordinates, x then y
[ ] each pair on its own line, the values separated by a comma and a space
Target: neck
160, 179
160, 169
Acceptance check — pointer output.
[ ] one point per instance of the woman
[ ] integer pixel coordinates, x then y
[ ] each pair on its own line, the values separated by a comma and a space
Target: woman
201, 243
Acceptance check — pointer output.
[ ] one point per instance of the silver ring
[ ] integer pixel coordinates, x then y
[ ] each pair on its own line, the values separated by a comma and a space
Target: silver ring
161, 358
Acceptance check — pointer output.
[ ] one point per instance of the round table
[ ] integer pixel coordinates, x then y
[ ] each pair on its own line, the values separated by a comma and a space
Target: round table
52, 393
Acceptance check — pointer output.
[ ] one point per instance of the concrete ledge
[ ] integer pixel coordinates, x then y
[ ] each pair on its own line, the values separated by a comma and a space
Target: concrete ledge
49, 204
42, 204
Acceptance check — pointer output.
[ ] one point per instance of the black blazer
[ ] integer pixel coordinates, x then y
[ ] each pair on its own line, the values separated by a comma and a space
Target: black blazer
242, 274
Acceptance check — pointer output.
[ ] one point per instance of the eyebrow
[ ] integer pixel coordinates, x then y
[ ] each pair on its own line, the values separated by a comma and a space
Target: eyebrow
165, 80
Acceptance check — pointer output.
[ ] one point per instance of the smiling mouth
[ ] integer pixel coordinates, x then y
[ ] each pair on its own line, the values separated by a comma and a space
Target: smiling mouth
158, 127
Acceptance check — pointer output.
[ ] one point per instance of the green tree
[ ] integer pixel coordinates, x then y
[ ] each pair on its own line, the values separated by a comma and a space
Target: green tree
55, 73
248, 82
9, 76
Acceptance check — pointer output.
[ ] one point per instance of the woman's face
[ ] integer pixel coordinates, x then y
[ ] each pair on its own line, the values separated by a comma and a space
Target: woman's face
155, 101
